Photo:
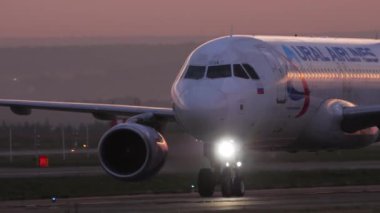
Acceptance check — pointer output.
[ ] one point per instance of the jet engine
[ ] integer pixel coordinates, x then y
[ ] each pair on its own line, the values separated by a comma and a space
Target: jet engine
325, 130
132, 152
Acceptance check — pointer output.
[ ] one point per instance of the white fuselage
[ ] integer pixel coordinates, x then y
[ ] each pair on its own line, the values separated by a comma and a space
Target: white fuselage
281, 109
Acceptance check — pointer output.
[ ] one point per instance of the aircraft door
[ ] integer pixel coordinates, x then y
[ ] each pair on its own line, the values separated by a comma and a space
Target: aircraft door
279, 70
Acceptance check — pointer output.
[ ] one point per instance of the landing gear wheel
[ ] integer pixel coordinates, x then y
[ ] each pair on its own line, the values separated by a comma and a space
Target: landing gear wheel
238, 187
206, 182
226, 183
232, 183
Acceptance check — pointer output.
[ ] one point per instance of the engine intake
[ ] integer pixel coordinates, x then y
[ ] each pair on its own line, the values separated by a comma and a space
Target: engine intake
132, 151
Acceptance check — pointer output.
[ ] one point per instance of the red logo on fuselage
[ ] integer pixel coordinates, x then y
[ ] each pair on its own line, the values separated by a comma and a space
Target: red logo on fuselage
296, 95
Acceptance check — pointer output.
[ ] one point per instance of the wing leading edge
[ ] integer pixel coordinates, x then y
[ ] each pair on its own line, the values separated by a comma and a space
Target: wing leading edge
99, 111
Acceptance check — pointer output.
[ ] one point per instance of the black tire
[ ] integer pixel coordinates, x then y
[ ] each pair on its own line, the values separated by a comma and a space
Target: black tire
226, 183
206, 182
238, 187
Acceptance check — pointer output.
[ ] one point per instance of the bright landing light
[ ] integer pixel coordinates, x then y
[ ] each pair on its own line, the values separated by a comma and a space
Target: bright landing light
226, 149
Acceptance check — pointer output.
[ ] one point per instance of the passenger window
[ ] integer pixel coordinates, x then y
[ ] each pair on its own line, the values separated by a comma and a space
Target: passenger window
195, 72
251, 72
220, 71
239, 72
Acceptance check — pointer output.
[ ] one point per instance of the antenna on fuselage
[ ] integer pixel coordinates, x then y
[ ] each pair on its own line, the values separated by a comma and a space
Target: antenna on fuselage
231, 30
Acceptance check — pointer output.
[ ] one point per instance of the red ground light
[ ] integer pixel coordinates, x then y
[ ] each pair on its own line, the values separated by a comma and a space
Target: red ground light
43, 161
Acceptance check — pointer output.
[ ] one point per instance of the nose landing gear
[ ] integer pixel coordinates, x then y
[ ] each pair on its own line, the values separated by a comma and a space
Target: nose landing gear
232, 183
229, 178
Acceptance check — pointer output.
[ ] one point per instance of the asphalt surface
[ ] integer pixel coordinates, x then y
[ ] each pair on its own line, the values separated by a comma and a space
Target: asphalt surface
325, 199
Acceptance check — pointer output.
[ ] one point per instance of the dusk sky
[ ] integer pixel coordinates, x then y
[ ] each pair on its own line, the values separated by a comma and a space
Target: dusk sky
115, 18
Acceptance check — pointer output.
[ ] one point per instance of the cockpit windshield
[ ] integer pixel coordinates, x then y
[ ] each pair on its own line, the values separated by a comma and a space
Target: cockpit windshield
195, 72
251, 72
243, 71
239, 72
219, 71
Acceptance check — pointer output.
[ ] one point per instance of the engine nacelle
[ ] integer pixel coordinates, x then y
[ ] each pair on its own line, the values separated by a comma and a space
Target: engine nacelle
325, 131
132, 152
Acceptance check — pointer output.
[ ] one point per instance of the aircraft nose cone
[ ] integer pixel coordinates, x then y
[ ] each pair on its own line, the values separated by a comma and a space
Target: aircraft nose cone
203, 99
203, 109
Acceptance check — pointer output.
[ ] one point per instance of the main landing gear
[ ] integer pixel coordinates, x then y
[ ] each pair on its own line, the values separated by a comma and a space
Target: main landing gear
229, 178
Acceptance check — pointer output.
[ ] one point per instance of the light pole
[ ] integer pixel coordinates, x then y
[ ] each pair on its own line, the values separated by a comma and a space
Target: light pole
63, 143
87, 142
10, 146
35, 141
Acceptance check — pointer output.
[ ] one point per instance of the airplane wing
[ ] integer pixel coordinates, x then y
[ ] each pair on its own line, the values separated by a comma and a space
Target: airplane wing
360, 117
99, 111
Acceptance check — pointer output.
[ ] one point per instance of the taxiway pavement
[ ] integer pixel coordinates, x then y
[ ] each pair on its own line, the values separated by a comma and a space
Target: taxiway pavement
323, 199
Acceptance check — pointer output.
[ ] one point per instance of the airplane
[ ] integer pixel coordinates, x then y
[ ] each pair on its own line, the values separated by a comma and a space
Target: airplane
243, 92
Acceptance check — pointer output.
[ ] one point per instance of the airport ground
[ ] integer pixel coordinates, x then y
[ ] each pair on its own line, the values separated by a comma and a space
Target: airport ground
322, 199
80, 175
90, 181
277, 181
347, 186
